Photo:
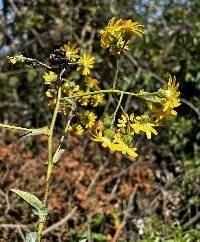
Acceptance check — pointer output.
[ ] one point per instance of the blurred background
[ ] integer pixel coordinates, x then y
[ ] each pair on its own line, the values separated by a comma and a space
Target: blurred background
93, 191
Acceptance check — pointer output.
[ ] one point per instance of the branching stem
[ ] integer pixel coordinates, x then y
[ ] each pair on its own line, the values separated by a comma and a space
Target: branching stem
137, 95
50, 161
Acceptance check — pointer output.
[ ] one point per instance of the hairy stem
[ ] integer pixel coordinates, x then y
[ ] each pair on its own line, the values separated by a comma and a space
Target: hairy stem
50, 161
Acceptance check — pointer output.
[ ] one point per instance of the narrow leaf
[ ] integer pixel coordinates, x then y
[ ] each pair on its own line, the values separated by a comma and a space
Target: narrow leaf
39, 208
42, 131
57, 155
29, 198
31, 236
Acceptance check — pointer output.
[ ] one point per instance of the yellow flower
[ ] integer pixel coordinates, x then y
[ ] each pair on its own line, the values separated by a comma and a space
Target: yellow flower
128, 26
110, 32
125, 149
85, 64
91, 83
83, 100
69, 87
51, 103
76, 129
143, 123
106, 142
116, 34
114, 145
88, 119
123, 121
70, 51
50, 77
97, 100
51, 93
172, 99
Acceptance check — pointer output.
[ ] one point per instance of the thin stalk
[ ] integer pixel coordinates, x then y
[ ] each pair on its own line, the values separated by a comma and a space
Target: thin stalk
63, 136
6, 126
116, 73
138, 95
39, 63
50, 161
117, 108
117, 64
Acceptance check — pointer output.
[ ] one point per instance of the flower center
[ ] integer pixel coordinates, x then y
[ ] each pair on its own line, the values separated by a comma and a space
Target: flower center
168, 93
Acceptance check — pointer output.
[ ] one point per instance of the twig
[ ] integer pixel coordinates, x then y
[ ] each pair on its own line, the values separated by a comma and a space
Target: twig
192, 221
126, 215
59, 223
197, 111
14, 226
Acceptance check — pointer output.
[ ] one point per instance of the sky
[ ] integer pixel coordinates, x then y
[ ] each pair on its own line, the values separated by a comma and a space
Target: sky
0, 6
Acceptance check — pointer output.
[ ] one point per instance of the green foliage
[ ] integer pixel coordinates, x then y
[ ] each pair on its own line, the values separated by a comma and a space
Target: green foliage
39, 208
31, 236
177, 234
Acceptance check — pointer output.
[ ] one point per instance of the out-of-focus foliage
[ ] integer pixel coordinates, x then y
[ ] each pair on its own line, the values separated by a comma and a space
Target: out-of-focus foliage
171, 45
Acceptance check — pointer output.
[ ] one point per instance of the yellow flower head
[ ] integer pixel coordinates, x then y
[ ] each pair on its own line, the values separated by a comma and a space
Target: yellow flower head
116, 34
52, 102
172, 97
88, 119
143, 123
114, 143
76, 129
112, 30
123, 121
125, 149
69, 87
106, 142
130, 27
85, 63
83, 100
71, 51
97, 100
50, 77
91, 83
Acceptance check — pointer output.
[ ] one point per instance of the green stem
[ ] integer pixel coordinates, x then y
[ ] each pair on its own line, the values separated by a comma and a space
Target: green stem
50, 161
39, 63
6, 126
116, 73
117, 64
117, 108
63, 136
138, 95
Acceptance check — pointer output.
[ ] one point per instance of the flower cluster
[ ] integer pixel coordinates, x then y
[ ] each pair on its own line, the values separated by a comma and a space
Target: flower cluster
71, 86
117, 34
120, 137
69, 71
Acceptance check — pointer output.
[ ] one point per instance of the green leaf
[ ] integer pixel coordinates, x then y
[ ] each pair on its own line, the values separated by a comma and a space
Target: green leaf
39, 208
42, 131
57, 155
99, 237
83, 240
31, 236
